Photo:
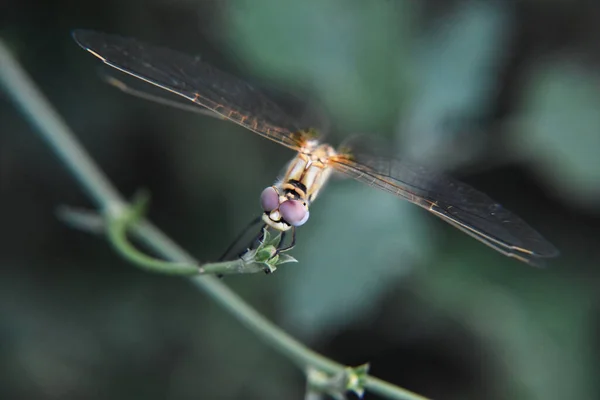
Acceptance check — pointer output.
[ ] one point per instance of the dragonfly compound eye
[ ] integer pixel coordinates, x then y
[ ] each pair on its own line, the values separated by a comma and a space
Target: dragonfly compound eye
294, 212
269, 199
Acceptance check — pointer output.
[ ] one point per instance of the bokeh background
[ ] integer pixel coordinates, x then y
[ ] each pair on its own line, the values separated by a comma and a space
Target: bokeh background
504, 95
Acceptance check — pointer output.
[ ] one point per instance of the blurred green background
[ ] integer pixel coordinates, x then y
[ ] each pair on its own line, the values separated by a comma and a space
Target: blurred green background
504, 95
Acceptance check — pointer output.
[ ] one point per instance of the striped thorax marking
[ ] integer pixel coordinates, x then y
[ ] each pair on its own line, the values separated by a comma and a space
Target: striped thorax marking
306, 174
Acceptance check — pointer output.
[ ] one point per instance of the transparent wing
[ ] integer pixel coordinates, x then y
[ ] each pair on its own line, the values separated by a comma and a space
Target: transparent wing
456, 203
144, 93
197, 81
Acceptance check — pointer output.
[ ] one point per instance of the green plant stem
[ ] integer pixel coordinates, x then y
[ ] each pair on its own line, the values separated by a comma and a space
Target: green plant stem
55, 131
117, 229
117, 233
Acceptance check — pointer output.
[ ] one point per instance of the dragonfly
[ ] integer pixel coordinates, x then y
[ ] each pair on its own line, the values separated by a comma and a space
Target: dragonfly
285, 204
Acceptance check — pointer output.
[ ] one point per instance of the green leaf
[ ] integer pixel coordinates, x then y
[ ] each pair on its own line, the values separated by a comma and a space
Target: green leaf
358, 242
454, 76
351, 379
285, 258
537, 323
559, 131
353, 53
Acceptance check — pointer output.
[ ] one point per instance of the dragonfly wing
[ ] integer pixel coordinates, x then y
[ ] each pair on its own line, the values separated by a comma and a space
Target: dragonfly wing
457, 203
197, 81
146, 94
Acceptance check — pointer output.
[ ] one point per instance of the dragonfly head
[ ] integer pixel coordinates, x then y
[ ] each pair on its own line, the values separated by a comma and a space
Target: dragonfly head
282, 213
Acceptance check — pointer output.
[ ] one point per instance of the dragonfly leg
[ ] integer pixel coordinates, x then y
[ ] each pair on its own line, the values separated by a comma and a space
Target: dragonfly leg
261, 235
241, 235
258, 238
281, 241
288, 247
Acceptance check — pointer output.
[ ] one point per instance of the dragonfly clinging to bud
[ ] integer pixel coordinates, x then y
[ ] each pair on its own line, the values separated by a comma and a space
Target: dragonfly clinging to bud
286, 203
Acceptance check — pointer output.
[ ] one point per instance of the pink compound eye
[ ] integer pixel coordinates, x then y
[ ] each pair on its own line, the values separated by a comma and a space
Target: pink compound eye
294, 212
269, 199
